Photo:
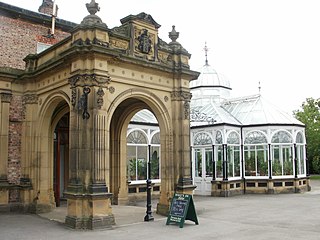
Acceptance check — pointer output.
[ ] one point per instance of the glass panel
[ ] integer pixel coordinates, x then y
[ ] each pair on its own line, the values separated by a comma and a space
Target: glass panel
255, 138
142, 162
137, 137
198, 162
300, 156
219, 138
131, 163
262, 161
287, 160
208, 162
281, 137
233, 138
154, 162
219, 161
202, 139
156, 138
250, 160
276, 164
230, 156
299, 138
236, 161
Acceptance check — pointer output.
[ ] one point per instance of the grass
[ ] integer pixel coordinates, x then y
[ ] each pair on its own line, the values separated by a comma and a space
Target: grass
315, 177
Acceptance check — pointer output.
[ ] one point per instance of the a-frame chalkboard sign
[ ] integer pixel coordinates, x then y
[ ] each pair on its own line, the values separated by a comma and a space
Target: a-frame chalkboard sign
181, 209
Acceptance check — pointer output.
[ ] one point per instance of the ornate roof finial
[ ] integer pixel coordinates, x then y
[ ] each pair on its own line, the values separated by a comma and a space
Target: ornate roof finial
93, 7
206, 49
93, 19
259, 87
173, 35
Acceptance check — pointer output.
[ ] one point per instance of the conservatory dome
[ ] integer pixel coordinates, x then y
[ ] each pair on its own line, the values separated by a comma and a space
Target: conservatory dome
210, 85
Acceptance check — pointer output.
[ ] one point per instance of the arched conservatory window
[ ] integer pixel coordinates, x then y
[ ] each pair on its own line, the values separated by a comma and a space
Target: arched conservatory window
155, 156
219, 155
300, 154
137, 154
203, 155
256, 154
233, 155
282, 157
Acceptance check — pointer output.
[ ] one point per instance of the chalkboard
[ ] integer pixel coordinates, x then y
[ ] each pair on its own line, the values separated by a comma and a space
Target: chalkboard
181, 209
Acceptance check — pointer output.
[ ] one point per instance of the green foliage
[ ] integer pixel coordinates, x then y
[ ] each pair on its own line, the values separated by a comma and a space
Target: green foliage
262, 167
310, 116
276, 168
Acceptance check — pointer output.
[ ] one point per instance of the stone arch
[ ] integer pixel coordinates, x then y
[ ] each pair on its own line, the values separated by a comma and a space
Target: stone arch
123, 109
53, 108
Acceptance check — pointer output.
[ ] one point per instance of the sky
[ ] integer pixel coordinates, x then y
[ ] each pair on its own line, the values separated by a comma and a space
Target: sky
271, 44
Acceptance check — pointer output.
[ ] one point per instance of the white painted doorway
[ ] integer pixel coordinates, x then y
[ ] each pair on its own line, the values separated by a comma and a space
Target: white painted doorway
202, 159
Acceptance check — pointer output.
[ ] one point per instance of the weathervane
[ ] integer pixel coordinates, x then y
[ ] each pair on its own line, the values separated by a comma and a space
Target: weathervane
259, 87
206, 49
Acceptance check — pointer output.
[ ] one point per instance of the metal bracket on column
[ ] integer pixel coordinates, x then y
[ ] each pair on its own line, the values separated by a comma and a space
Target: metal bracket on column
83, 103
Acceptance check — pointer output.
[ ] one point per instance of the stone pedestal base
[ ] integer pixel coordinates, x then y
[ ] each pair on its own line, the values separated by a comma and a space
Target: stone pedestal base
163, 209
185, 186
89, 211
4, 196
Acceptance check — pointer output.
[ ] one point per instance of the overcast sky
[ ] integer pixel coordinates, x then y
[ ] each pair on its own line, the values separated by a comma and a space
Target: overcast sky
274, 42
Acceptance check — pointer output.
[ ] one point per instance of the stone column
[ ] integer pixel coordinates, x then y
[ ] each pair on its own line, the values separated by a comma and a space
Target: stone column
4, 134
87, 193
28, 168
181, 124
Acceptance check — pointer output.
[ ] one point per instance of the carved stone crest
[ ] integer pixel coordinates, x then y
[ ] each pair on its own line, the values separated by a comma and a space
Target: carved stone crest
144, 45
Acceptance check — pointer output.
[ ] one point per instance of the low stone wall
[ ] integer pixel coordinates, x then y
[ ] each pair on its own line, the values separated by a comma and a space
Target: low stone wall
259, 186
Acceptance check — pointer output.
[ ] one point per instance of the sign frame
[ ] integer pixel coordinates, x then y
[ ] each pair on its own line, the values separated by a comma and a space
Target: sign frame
182, 208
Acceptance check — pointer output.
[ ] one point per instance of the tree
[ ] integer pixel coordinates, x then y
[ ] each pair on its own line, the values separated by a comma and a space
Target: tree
310, 116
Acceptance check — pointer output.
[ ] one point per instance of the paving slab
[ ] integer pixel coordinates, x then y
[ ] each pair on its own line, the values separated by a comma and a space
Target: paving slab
254, 216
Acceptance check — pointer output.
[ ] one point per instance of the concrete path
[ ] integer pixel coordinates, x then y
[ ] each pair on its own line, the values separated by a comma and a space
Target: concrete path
283, 216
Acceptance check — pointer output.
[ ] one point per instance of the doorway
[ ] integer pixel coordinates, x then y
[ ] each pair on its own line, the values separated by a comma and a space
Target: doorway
61, 159
203, 170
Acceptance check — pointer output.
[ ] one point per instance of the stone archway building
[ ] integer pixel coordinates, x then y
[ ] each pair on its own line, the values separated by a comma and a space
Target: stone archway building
99, 78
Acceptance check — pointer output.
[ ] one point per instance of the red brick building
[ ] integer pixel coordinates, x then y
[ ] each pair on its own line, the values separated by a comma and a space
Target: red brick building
22, 32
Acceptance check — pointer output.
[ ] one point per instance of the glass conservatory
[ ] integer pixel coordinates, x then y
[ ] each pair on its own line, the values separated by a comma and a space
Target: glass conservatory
238, 145
243, 145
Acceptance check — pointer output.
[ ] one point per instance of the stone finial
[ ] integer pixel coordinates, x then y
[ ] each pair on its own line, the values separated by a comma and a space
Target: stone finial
93, 7
93, 19
173, 35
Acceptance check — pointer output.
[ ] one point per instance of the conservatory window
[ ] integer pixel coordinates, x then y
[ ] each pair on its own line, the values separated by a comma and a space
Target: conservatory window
203, 155
300, 154
219, 161
202, 139
155, 156
256, 154
137, 154
233, 155
219, 155
282, 158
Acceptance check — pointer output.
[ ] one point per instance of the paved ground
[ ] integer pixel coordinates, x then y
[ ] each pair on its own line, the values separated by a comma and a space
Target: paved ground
284, 216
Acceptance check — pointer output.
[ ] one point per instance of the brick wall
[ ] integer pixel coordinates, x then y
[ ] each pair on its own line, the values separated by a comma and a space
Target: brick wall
16, 117
19, 38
